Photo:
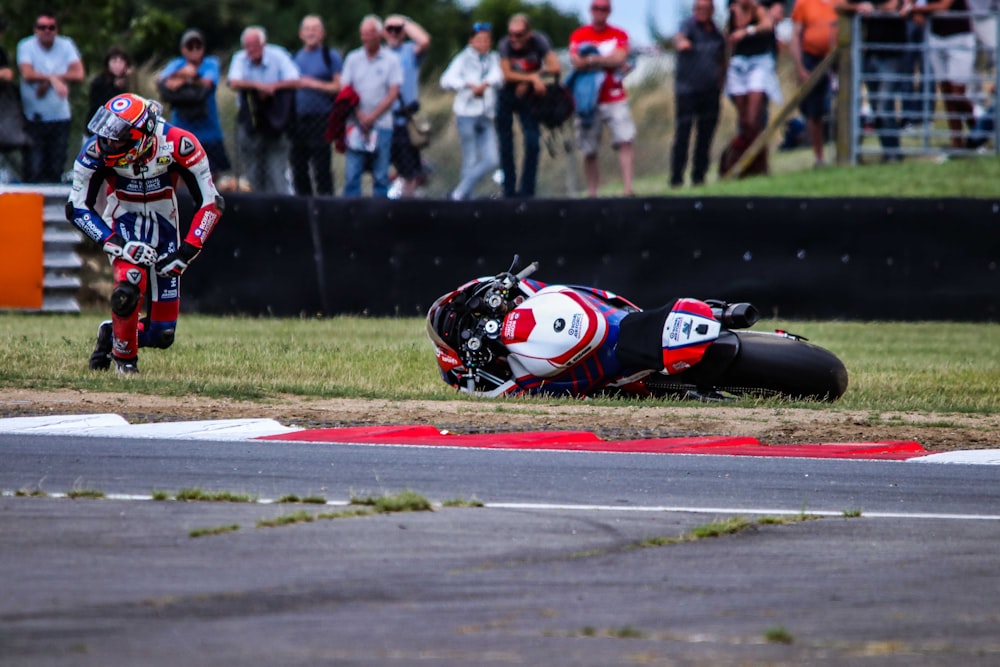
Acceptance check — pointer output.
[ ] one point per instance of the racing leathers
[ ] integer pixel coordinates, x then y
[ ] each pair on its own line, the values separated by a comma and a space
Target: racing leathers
141, 213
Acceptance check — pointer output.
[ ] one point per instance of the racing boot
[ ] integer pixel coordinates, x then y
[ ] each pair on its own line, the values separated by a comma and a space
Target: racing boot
126, 367
100, 358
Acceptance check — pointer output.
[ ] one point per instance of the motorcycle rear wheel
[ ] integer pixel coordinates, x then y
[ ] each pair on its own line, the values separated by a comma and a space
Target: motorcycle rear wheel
767, 365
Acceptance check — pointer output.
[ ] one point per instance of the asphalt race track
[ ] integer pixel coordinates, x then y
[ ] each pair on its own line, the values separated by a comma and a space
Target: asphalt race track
564, 565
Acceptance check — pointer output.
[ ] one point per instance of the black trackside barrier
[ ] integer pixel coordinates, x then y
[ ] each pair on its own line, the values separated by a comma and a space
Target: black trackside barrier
889, 259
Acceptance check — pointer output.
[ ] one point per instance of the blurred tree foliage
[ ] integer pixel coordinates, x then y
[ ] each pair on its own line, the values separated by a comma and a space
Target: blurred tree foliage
150, 30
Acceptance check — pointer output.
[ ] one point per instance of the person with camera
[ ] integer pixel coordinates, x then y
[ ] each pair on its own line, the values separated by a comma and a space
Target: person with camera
188, 84
265, 78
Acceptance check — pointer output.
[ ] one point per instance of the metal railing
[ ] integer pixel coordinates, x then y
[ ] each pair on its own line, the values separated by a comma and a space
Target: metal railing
921, 113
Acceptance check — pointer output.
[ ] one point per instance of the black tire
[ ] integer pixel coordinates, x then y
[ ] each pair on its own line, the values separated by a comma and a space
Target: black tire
769, 364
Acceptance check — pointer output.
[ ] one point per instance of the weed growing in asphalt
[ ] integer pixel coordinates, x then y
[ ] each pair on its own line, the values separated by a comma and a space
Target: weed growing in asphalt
219, 530
778, 635
214, 496
84, 493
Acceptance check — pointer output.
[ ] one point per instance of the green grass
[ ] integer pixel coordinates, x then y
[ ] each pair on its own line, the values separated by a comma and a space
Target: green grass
894, 366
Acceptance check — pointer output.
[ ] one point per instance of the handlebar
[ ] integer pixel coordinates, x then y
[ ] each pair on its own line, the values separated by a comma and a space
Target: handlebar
527, 271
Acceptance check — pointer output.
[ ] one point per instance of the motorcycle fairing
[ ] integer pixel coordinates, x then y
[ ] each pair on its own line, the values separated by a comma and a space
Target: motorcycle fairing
550, 332
594, 371
689, 330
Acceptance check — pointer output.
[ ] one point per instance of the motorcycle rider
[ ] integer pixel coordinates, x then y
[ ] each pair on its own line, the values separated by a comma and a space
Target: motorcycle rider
136, 157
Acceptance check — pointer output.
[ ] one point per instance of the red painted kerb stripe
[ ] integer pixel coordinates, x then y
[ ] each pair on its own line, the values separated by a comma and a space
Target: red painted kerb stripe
429, 436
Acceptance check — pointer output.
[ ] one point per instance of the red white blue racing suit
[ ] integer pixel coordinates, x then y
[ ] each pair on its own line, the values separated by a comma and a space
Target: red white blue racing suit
142, 206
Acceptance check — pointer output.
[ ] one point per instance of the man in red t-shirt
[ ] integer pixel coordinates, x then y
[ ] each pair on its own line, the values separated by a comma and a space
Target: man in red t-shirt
601, 46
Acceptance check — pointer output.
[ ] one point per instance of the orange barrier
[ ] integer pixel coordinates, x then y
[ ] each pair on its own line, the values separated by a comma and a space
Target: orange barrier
22, 254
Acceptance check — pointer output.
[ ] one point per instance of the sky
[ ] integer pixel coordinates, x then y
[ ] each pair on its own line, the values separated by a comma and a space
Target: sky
632, 15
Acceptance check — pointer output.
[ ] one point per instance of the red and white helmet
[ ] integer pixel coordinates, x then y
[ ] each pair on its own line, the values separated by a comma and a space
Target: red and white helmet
125, 129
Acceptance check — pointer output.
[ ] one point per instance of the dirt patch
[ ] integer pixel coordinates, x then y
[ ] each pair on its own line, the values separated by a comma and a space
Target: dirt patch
936, 432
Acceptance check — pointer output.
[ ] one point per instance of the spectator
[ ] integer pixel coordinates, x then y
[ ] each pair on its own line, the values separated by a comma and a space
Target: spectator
984, 24
525, 56
112, 80
48, 63
475, 75
882, 68
376, 75
814, 35
320, 67
612, 104
189, 82
916, 78
700, 75
750, 79
409, 41
951, 48
265, 77
12, 135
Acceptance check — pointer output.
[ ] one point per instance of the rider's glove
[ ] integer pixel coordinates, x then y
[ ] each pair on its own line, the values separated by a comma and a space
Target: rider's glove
176, 262
137, 252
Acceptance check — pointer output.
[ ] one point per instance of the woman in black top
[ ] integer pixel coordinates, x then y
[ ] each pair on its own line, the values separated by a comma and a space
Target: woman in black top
750, 79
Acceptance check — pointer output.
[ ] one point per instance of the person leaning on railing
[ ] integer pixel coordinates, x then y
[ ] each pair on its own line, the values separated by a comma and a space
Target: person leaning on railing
882, 67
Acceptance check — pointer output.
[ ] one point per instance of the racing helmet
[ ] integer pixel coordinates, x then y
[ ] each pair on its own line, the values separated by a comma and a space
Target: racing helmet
125, 127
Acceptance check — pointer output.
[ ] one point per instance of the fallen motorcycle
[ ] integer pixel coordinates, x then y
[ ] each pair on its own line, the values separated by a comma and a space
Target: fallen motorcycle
512, 335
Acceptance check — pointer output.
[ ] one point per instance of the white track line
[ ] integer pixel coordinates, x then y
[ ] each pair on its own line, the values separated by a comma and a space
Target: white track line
727, 511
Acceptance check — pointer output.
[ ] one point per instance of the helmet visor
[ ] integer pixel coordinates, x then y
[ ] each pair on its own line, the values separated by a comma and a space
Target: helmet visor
108, 125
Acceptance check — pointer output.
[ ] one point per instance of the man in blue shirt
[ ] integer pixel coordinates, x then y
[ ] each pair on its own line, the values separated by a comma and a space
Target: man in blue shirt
408, 40
320, 67
48, 63
195, 70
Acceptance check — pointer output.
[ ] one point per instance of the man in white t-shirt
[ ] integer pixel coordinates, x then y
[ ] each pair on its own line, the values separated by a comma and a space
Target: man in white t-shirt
48, 63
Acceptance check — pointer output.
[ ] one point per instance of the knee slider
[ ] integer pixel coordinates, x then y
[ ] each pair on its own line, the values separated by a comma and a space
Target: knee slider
157, 334
162, 338
124, 299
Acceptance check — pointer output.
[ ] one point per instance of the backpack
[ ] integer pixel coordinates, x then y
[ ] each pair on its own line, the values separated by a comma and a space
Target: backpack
555, 107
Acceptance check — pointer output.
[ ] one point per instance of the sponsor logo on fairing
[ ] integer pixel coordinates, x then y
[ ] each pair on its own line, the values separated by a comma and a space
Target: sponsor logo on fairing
675, 330
510, 324
576, 326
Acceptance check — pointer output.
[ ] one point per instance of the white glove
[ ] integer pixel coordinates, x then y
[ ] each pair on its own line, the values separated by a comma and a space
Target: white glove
137, 252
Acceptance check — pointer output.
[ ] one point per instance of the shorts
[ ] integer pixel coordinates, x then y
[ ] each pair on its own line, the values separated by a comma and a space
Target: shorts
817, 103
952, 58
753, 74
618, 118
405, 157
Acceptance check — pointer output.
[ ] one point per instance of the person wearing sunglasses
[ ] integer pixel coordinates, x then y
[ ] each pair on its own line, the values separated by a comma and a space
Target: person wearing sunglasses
191, 81
410, 42
526, 57
48, 63
603, 47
